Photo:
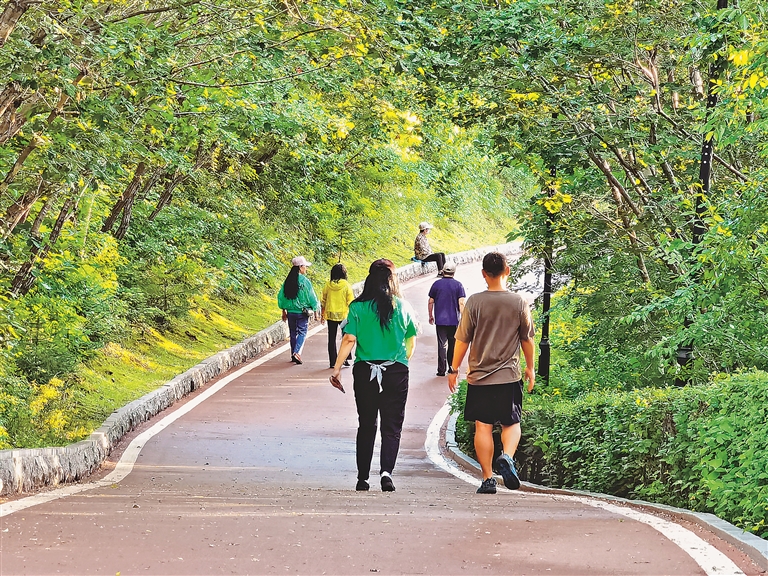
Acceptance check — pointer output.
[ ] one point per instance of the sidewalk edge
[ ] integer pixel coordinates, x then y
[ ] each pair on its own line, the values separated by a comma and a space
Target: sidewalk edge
753, 546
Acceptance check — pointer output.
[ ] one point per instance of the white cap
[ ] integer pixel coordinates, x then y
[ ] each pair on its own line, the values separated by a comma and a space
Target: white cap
425, 226
300, 261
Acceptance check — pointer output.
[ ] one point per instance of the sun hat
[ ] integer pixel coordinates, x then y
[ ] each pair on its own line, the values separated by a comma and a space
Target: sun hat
449, 269
300, 261
425, 226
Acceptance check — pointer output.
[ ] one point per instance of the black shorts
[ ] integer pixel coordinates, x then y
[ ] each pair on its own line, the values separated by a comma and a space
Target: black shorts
495, 403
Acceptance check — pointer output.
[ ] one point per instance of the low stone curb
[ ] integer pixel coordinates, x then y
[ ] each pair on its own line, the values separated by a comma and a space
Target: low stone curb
31, 469
753, 546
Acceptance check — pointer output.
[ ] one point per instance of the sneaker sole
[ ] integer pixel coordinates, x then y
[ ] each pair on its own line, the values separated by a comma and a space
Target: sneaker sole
511, 481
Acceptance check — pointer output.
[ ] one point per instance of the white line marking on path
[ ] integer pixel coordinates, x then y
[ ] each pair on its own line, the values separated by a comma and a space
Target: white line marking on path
128, 459
709, 558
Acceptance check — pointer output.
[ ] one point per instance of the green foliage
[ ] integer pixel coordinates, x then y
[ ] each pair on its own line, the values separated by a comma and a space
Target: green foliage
701, 447
15, 414
612, 97
159, 163
71, 312
35, 415
588, 350
156, 161
464, 430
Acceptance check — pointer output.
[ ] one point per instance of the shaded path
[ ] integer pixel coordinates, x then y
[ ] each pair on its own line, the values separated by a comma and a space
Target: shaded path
260, 478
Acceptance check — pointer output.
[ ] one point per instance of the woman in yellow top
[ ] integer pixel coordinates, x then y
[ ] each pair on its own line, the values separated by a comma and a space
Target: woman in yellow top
334, 307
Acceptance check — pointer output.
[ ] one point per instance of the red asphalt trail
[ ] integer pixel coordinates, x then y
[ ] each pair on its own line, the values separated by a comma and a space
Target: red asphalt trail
259, 479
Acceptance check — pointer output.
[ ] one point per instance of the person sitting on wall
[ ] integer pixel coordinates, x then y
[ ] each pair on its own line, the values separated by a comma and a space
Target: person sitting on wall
423, 251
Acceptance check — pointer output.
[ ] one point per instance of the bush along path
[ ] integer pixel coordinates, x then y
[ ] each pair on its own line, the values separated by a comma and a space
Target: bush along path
702, 448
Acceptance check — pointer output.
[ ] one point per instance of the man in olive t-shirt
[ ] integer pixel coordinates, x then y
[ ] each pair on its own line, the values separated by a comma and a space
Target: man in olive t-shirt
497, 323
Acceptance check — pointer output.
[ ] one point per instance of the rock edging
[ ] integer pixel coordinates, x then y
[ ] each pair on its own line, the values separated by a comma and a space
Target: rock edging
26, 470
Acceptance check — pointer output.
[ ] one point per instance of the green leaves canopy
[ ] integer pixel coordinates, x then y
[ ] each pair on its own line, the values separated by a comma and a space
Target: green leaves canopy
612, 96
155, 156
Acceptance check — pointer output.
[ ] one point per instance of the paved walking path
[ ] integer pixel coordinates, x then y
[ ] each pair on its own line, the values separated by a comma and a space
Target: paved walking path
259, 478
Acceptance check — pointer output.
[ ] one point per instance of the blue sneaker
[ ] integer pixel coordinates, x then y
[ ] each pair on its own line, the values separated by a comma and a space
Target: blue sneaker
488, 486
506, 467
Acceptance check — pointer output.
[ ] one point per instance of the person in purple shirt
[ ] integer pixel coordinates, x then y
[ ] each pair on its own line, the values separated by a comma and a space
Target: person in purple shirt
446, 302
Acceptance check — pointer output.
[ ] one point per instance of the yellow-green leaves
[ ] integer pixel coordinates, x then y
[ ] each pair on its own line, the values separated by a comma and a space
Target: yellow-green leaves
553, 204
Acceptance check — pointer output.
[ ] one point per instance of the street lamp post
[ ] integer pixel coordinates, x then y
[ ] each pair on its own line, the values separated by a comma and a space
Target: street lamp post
544, 345
685, 352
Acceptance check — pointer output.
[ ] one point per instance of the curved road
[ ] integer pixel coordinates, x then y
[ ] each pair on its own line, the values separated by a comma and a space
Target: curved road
259, 478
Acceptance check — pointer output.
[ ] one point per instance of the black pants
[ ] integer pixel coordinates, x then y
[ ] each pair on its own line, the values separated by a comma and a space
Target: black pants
333, 330
446, 335
438, 257
390, 403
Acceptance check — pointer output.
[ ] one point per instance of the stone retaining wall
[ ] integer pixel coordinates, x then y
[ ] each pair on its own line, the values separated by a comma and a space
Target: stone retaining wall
31, 469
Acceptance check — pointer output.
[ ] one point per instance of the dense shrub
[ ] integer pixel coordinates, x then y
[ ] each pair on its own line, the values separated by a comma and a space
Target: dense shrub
464, 429
33, 415
703, 448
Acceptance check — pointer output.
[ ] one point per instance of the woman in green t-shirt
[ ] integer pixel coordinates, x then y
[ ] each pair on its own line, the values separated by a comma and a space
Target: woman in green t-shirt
297, 299
383, 327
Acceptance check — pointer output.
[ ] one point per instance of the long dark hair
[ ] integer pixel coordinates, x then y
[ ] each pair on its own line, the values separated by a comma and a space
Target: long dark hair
381, 287
338, 272
291, 284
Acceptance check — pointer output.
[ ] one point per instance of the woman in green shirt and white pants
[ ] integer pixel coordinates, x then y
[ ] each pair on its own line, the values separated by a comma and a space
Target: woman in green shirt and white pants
383, 327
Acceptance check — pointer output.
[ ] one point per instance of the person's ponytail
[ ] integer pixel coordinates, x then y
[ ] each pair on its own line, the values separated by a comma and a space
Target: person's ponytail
291, 284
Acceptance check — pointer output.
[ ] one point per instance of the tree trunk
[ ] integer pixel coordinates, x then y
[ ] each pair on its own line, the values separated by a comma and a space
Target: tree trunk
8, 96
35, 141
670, 175
156, 176
634, 245
16, 168
623, 195
19, 210
264, 159
15, 102
24, 278
35, 230
126, 200
201, 158
16, 116
14, 10
167, 195
125, 221
605, 168
649, 206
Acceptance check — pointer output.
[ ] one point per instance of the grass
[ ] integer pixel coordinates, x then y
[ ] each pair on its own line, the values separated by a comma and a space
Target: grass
124, 372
